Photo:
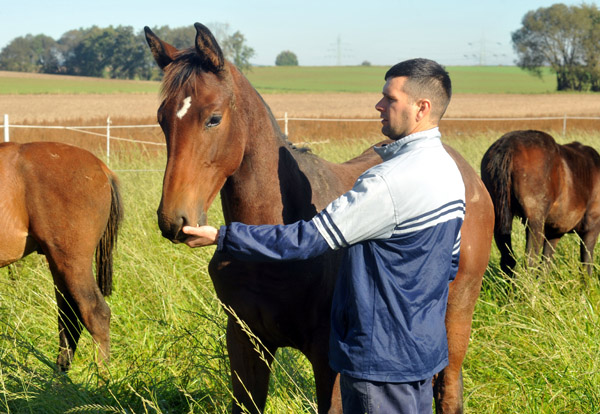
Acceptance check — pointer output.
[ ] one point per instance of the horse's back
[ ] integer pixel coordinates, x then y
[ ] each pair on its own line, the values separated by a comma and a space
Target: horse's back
62, 194
584, 163
536, 156
524, 174
577, 203
518, 151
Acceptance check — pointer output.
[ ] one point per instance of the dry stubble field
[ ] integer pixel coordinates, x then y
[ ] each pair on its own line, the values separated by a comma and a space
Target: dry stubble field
22, 108
134, 109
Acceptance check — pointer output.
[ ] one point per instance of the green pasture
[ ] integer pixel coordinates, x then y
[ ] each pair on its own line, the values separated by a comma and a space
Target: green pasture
465, 79
302, 79
534, 348
72, 85
500, 79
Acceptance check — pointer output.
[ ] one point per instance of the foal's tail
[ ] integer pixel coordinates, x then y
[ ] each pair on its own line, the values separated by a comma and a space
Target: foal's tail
496, 174
104, 261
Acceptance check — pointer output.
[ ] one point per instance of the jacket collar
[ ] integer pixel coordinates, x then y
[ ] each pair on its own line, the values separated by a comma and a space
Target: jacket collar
387, 151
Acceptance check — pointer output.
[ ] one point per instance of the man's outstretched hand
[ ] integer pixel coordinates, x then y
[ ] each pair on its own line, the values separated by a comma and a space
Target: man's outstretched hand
201, 236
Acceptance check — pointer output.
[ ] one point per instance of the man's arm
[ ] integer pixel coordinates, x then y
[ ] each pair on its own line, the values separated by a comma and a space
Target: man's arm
296, 241
351, 218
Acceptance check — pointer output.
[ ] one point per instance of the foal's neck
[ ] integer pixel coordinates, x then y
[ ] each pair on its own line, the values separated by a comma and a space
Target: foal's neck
257, 192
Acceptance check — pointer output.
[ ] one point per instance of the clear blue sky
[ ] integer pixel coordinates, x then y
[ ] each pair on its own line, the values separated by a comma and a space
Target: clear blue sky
319, 32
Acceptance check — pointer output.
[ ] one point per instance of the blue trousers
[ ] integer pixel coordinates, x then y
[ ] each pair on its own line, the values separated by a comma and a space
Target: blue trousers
367, 397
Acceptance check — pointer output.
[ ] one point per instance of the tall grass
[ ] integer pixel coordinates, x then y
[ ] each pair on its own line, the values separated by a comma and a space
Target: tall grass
535, 346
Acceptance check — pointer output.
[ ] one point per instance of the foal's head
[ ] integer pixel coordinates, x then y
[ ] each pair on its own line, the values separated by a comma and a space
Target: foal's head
198, 118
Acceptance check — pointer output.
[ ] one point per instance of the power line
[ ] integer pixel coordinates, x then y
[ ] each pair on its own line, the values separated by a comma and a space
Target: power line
482, 50
339, 51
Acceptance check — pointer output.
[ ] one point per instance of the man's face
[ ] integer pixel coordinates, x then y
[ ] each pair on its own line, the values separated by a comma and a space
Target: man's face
398, 110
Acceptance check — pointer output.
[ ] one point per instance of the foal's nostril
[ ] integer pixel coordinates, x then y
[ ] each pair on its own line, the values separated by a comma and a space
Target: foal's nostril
184, 222
177, 225
171, 224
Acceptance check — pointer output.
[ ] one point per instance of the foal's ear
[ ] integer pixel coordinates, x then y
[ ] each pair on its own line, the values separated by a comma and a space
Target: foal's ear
208, 48
163, 52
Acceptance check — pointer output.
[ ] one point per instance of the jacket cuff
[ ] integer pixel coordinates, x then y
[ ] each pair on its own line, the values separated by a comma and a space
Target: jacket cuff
221, 238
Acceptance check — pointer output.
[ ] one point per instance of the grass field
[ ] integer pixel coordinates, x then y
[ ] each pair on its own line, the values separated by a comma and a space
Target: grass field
534, 347
25, 83
465, 79
295, 79
500, 79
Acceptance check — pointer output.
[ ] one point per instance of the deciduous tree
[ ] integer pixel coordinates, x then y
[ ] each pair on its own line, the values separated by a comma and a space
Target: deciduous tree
235, 49
565, 38
286, 58
30, 53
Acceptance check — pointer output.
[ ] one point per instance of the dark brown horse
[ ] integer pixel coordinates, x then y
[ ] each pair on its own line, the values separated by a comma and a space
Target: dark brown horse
63, 202
221, 136
554, 189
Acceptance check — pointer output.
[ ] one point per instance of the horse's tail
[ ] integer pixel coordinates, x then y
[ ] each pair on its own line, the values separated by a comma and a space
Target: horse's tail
496, 174
104, 260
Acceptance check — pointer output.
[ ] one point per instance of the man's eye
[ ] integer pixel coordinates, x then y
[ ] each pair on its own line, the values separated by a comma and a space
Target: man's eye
213, 121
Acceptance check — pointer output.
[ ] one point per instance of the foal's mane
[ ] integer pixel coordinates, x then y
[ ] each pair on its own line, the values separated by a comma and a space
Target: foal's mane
186, 66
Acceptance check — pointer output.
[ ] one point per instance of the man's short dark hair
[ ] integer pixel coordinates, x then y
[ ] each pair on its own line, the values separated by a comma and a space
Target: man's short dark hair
426, 79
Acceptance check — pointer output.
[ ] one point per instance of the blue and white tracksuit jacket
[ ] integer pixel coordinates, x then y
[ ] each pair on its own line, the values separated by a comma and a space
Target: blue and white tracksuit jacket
400, 225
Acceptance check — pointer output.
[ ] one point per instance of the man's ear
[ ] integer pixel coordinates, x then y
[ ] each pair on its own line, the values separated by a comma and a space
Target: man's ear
424, 106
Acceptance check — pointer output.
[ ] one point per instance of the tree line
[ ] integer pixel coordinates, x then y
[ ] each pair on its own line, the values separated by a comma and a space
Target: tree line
111, 52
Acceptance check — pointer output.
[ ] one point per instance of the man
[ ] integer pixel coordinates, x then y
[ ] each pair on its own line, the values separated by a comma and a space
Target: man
400, 224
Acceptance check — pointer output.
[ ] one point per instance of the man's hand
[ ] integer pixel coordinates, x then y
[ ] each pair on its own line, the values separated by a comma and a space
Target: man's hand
201, 236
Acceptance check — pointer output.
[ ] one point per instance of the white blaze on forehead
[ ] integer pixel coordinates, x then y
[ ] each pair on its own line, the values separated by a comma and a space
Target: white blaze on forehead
187, 102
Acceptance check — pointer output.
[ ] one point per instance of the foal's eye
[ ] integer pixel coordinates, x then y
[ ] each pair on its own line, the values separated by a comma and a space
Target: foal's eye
213, 121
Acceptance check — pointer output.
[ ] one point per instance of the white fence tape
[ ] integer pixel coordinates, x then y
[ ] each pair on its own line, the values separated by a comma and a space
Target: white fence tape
109, 127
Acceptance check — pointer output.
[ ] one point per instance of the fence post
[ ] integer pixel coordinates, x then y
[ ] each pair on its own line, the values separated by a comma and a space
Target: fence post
285, 123
6, 135
565, 125
108, 141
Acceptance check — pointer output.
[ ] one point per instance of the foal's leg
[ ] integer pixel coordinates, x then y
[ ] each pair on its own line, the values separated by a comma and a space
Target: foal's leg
549, 249
534, 240
329, 398
507, 259
502, 237
250, 370
586, 249
79, 302
69, 328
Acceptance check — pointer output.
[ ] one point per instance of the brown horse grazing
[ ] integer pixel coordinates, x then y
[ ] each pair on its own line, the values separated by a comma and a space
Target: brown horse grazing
554, 189
221, 136
63, 202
